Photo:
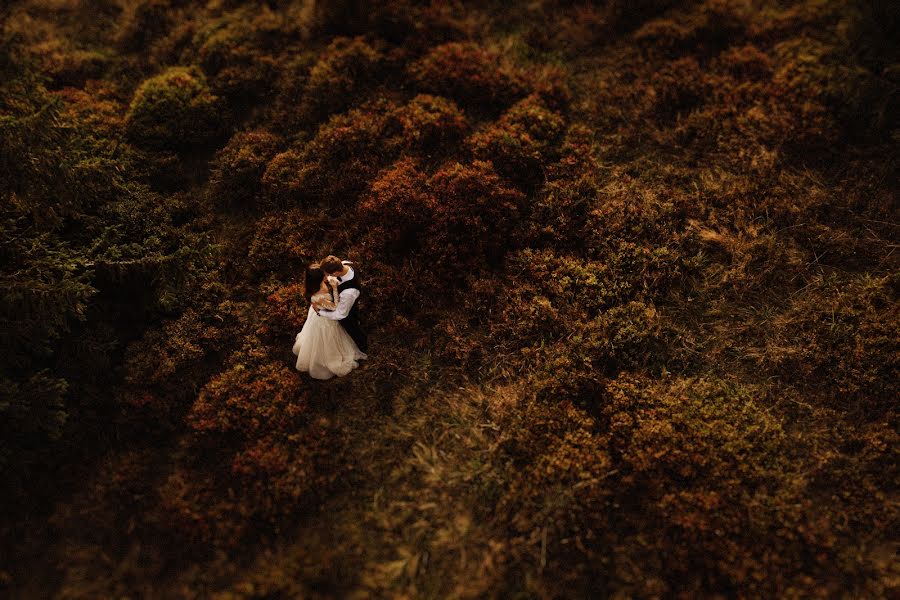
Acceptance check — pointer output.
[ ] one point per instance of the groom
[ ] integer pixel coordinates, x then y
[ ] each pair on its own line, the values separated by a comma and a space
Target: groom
349, 287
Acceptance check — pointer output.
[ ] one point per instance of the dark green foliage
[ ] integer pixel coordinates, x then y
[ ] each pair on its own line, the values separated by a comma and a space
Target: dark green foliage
237, 169
342, 74
235, 57
144, 22
88, 257
174, 111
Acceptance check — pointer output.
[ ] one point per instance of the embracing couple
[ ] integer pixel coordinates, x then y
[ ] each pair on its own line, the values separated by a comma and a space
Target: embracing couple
331, 341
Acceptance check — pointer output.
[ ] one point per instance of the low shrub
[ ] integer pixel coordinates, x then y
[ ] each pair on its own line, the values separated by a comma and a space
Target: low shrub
714, 26
287, 309
174, 111
575, 284
280, 182
161, 359
559, 214
341, 75
144, 22
248, 401
335, 166
407, 23
521, 142
417, 25
428, 124
624, 338
282, 243
195, 514
233, 52
746, 62
680, 87
553, 503
95, 105
236, 170
627, 210
696, 473
399, 208
469, 74
250, 424
289, 88
476, 217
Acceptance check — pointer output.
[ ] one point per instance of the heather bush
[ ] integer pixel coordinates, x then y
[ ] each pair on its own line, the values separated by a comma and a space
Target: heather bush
96, 105
680, 87
624, 16
469, 74
248, 400
476, 217
407, 23
250, 422
174, 110
527, 321
236, 170
428, 124
802, 123
194, 515
280, 182
399, 208
746, 63
232, 52
165, 366
674, 462
281, 242
521, 141
71, 67
287, 309
574, 283
336, 165
558, 494
561, 206
625, 337
288, 88
417, 25
629, 212
144, 22
344, 71
717, 440
716, 25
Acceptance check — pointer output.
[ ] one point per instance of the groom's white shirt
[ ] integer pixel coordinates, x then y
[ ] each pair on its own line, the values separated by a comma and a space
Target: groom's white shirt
345, 299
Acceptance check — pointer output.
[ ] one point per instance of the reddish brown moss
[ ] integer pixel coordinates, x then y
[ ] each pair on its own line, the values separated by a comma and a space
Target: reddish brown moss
469, 74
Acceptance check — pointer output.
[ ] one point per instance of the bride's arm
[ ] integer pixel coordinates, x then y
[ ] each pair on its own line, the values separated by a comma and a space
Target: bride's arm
326, 303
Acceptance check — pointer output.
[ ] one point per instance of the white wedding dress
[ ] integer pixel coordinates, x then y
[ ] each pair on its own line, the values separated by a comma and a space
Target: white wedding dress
323, 348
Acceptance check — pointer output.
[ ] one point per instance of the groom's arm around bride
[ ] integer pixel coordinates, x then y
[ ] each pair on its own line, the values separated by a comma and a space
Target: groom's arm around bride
349, 290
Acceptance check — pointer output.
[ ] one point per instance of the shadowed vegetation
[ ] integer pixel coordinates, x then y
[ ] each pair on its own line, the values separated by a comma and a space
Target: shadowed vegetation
631, 286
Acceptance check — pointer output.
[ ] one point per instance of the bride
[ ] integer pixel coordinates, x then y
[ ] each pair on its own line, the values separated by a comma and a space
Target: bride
324, 348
